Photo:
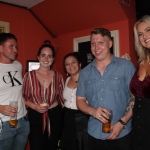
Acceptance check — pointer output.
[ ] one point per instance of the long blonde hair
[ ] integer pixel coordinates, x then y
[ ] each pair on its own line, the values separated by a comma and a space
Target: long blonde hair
143, 53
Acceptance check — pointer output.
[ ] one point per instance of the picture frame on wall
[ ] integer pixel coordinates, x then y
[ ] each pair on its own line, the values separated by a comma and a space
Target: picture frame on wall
4, 27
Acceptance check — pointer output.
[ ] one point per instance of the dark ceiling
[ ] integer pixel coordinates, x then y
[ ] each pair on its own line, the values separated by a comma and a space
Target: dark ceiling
142, 8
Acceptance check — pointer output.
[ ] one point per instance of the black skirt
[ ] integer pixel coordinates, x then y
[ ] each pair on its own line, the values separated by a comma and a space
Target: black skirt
141, 124
74, 134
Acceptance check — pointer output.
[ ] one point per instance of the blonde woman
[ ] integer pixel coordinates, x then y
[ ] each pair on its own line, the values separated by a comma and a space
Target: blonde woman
140, 86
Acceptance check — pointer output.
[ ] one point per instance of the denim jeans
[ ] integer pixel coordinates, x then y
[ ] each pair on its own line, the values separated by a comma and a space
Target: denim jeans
14, 138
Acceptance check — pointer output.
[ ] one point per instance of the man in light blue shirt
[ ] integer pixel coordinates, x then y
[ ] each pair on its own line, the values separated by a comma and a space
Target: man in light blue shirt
104, 84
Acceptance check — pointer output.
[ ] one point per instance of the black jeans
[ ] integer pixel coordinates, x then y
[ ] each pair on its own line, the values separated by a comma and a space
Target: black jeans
123, 143
39, 141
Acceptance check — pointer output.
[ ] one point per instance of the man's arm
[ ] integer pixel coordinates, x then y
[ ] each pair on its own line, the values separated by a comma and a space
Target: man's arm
130, 105
83, 106
117, 128
129, 110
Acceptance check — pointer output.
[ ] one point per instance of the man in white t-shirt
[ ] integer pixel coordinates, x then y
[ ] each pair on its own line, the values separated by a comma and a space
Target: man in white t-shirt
11, 89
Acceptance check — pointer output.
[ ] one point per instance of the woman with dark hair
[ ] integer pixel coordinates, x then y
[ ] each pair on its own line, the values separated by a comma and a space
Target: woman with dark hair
74, 135
42, 91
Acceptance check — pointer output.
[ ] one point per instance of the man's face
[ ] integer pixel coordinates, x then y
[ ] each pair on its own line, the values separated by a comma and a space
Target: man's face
9, 51
100, 46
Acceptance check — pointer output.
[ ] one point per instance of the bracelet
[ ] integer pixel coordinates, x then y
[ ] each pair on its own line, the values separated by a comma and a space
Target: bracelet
123, 123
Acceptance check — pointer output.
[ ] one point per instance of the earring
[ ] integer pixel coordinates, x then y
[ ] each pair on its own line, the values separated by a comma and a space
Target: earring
67, 74
79, 68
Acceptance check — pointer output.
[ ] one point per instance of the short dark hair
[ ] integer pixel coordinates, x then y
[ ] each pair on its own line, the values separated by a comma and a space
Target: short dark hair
76, 55
102, 31
48, 44
6, 36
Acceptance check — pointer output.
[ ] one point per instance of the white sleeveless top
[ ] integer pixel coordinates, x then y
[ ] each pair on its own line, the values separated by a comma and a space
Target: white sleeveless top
70, 96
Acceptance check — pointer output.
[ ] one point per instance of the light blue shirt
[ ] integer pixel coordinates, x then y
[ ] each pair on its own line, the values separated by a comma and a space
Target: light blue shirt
110, 90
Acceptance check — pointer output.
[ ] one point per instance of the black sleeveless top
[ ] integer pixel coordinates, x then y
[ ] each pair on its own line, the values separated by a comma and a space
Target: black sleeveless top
141, 112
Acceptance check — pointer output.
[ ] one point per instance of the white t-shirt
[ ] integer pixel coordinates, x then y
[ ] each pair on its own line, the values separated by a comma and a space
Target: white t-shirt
11, 87
70, 96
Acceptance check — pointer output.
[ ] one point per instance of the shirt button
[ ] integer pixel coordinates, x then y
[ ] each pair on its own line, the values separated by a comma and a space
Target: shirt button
102, 80
101, 99
137, 116
138, 127
116, 78
102, 89
139, 105
139, 99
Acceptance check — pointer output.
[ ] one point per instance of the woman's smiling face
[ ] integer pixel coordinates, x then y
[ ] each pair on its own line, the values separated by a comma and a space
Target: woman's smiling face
143, 30
72, 66
46, 57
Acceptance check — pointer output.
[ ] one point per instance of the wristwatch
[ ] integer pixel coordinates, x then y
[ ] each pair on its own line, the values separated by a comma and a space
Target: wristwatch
123, 123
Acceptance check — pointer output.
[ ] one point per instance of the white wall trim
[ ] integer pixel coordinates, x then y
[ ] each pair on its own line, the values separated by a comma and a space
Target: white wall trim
6, 26
114, 34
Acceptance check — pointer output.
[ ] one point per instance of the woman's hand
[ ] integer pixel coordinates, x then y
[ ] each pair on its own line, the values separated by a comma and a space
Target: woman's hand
41, 108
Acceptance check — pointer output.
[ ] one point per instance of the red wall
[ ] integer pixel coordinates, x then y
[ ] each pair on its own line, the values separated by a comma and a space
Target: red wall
29, 32
130, 12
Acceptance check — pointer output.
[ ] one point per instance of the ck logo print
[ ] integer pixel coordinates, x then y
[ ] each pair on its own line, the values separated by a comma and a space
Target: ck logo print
10, 78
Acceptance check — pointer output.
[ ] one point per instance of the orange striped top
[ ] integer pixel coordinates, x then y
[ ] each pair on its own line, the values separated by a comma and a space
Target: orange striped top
36, 93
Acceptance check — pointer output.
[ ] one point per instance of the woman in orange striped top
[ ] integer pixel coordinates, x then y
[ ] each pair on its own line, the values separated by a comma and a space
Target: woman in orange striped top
42, 91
